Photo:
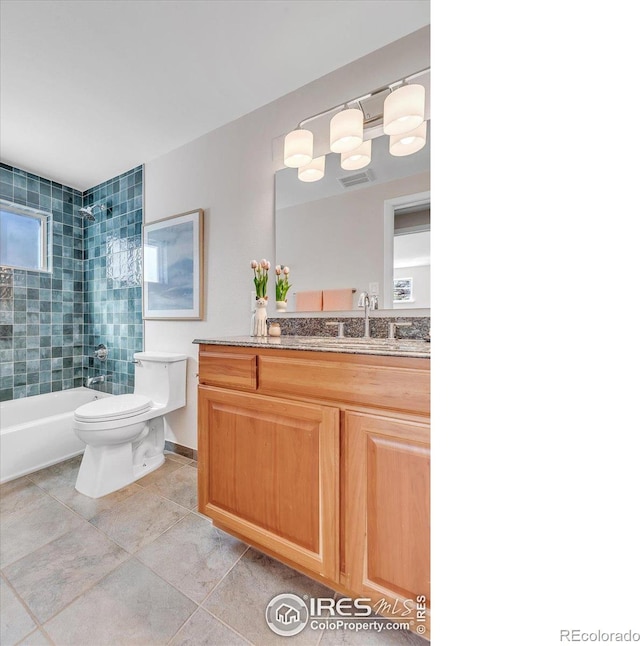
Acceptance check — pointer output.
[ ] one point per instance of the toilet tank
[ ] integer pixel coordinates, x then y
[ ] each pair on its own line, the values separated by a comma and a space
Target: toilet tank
161, 376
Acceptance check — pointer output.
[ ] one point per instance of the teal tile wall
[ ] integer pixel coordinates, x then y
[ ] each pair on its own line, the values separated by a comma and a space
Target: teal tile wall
51, 323
41, 313
113, 279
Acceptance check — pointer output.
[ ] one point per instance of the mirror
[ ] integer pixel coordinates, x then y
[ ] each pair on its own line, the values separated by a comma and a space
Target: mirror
348, 230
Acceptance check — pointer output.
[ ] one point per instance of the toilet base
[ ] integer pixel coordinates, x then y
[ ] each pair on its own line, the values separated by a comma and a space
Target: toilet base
106, 468
149, 465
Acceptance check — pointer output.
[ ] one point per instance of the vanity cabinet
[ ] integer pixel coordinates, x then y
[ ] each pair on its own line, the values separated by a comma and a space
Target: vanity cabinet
321, 459
386, 507
270, 473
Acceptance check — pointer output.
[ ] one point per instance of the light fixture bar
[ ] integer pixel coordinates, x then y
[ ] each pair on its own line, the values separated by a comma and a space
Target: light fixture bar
406, 79
340, 106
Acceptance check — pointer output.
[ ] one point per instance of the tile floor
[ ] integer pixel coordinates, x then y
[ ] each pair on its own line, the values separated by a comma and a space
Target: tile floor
138, 567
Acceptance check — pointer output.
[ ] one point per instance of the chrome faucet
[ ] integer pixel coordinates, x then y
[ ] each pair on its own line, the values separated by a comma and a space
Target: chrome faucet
100, 379
394, 326
366, 301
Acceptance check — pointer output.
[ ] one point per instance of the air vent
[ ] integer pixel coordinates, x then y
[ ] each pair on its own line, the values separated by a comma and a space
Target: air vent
357, 178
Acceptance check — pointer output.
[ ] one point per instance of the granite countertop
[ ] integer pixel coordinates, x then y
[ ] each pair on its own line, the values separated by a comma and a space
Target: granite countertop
346, 345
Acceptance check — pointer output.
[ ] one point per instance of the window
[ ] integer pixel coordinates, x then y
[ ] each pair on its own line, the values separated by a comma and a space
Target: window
402, 290
23, 237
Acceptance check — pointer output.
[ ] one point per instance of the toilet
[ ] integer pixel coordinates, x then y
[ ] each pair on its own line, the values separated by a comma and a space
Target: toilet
124, 434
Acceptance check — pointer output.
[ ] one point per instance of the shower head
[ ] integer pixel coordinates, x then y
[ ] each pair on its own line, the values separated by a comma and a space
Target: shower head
87, 211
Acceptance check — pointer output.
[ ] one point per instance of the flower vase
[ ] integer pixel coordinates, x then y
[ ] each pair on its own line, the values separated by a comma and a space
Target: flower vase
281, 306
259, 318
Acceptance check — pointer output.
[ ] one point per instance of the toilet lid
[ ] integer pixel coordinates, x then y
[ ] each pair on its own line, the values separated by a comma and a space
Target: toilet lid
112, 408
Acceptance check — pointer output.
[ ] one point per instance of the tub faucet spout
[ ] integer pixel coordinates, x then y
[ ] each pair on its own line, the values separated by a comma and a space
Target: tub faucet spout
100, 379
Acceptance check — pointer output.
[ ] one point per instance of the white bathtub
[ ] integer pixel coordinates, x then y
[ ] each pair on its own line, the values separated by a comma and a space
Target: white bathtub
37, 431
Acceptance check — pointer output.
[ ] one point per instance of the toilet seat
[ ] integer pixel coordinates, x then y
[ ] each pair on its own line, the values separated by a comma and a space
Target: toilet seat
113, 408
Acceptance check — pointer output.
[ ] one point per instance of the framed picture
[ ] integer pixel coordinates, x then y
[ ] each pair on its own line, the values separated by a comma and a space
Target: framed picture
172, 267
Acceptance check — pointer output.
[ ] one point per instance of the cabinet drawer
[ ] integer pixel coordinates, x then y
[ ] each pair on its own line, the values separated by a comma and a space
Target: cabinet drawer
238, 371
348, 381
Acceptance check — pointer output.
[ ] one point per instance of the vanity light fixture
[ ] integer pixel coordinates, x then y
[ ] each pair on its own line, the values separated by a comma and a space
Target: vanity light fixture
358, 158
404, 109
408, 142
346, 130
298, 148
403, 116
313, 171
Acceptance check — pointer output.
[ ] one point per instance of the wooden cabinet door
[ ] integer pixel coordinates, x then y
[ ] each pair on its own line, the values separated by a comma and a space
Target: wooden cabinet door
386, 512
268, 471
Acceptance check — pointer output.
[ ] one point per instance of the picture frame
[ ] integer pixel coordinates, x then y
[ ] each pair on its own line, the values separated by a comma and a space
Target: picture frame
172, 267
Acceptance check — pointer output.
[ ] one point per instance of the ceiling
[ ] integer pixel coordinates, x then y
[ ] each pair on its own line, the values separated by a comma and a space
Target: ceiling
92, 88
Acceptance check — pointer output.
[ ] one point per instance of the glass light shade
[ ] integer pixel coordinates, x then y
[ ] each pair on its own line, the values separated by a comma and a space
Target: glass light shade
346, 130
298, 148
404, 109
312, 172
408, 142
358, 158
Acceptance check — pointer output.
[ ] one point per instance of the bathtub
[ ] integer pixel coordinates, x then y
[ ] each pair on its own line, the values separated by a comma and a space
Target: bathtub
37, 431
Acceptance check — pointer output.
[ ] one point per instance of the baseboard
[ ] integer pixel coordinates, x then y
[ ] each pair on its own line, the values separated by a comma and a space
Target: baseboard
184, 451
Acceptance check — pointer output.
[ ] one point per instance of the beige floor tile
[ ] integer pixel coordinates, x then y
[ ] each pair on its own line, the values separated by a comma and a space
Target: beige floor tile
31, 527
52, 576
241, 598
15, 623
204, 630
17, 494
197, 513
61, 475
91, 507
180, 486
193, 556
138, 520
131, 606
51, 557
36, 638
372, 637
59, 481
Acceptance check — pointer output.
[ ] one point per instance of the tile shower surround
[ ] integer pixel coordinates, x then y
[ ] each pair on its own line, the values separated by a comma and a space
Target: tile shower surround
113, 280
41, 326
49, 322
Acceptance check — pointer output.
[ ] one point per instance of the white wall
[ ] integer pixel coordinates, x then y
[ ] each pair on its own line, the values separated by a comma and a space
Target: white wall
230, 174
